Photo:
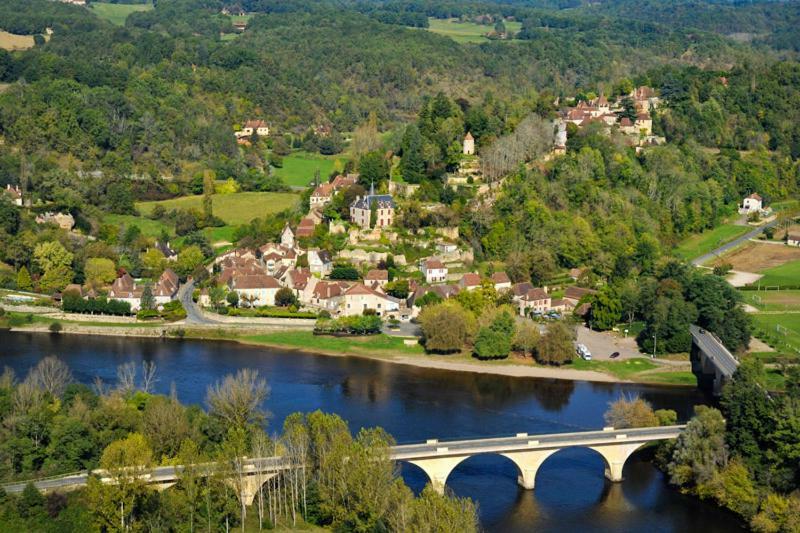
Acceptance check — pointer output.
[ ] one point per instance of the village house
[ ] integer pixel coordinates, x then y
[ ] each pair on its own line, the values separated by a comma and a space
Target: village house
342, 182
124, 288
518, 290
166, 250
259, 127
254, 289
752, 204
434, 271
326, 295
469, 281
535, 301
362, 207
573, 296
501, 281
236, 255
64, 221
321, 195
166, 288
469, 144
14, 193
358, 298
444, 247
287, 237
320, 262
305, 228
377, 276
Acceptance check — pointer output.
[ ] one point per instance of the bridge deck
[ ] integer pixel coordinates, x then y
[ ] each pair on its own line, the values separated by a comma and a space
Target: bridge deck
724, 360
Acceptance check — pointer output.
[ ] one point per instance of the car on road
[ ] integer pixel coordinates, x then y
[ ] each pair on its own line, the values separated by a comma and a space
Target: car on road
583, 352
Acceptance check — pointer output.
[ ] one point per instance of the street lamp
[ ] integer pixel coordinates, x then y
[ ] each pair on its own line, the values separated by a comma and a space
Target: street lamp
655, 343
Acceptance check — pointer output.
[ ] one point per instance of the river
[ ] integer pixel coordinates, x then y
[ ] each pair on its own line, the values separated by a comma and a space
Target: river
415, 404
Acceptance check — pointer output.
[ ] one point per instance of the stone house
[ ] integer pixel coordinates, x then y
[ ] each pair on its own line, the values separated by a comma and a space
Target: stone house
358, 298
434, 270
469, 144
362, 206
320, 262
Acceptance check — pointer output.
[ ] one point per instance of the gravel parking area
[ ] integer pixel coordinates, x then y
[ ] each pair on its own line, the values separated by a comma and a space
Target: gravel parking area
603, 343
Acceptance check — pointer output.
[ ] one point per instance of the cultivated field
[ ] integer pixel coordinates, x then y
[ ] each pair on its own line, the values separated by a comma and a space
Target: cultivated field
117, 13
298, 168
234, 209
761, 257
705, 242
466, 32
11, 41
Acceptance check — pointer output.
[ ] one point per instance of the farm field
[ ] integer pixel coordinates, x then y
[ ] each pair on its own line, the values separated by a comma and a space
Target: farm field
234, 209
466, 32
702, 243
785, 274
117, 13
149, 227
12, 41
299, 167
762, 257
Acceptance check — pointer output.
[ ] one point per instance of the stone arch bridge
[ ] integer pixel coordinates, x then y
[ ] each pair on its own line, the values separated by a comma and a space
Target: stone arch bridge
436, 458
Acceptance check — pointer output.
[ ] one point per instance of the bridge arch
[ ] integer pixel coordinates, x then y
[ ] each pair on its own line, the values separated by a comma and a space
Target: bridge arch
528, 462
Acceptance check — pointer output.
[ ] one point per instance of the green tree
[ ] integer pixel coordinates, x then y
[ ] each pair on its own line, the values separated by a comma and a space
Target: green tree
188, 259
99, 271
631, 413
446, 327
55, 279
373, 169
148, 301
24, 282
52, 254
556, 346
285, 297
606, 310
412, 163
700, 451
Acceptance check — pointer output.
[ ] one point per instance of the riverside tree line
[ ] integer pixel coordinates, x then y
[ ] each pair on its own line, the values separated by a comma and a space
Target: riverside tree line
52, 425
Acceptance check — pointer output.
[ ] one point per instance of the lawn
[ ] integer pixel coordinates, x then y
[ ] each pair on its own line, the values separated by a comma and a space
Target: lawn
773, 300
306, 340
780, 330
626, 369
671, 378
149, 227
234, 209
786, 274
705, 242
117, 13
466, 32
298, 168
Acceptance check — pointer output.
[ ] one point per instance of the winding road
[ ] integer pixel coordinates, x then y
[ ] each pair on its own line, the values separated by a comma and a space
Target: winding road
755, 232
193, 313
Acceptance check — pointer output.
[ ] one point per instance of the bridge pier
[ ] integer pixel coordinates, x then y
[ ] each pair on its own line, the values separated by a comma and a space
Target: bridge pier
528, 463
249, 485
615, 456
438, 469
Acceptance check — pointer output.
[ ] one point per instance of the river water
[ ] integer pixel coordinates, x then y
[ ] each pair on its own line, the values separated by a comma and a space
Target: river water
415, 404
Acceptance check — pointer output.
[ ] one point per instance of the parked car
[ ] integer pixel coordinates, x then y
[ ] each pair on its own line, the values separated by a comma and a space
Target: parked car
614, 355
584, 352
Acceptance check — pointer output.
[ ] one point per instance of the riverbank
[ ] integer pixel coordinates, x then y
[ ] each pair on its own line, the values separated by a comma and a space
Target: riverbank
383, 348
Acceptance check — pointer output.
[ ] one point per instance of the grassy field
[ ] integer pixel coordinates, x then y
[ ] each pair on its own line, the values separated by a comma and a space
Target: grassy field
780, 330
702, 243
786, 274
298, 168
234, 209
150, 228
11, 41
621, 369
306, 340
117, 13
773, 300
466, 32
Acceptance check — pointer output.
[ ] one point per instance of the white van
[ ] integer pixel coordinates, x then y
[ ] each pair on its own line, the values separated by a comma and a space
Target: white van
584, 352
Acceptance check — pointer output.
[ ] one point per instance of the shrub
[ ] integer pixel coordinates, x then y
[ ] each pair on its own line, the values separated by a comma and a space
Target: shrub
352, 325
447, 327
55, 327
147, 314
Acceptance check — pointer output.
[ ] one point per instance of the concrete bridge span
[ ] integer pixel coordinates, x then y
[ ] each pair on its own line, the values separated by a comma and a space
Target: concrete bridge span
528, 452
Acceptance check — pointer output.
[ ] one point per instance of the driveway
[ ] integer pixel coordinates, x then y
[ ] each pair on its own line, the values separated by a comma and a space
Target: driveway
733, 244
404, 329
603, 343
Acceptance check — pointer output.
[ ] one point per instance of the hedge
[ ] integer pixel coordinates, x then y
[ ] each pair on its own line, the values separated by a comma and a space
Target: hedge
72, 302
352, 325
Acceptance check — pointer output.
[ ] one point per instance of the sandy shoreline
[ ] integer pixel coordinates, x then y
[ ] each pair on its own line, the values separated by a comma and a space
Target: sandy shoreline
421, 361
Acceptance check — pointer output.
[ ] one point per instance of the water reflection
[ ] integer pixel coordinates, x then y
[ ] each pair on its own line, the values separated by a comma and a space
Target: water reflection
414, 404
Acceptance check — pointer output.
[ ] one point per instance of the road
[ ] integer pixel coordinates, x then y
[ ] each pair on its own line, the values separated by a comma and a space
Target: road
755, 232
719, 355
193, 313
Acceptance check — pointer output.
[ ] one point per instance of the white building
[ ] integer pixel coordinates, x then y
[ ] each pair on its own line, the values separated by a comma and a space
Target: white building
752, 204
469, 144
434, 271
320, 262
